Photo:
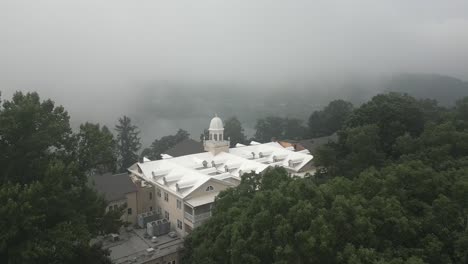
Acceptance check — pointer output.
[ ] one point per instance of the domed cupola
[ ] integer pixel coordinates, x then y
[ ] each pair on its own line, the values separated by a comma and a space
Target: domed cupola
216, 124
216, 130
215, 142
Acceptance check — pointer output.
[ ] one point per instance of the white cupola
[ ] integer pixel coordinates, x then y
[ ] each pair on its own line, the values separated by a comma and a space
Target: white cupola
215, 142
216, 130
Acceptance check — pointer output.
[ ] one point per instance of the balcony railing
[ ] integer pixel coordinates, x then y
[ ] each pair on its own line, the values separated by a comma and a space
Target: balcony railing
198, 217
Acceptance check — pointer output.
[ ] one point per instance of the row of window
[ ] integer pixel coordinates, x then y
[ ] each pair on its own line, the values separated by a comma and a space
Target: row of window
166, 215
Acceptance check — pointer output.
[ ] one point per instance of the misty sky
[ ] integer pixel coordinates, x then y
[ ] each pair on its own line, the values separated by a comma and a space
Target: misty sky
93, 54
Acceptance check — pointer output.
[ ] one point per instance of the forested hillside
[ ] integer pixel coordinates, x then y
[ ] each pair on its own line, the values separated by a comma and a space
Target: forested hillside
393, 189
445, 89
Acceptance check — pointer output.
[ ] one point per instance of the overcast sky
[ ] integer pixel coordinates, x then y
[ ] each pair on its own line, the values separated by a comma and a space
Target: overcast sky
99, 50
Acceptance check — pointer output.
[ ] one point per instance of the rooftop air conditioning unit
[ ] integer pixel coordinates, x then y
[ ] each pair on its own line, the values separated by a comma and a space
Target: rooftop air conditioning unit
115, 237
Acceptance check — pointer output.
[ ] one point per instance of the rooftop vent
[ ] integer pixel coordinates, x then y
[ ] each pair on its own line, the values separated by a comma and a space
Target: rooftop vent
160, 173
184, 185
280, 157
264, 154
294, 162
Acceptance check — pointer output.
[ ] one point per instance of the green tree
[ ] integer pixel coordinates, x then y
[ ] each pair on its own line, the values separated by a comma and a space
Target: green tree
330, 119
279, 128
96, 149
159, 146
233, 130
49, 212
128, 143
52, 220
32, 132
394, 114
462, 109
268, 128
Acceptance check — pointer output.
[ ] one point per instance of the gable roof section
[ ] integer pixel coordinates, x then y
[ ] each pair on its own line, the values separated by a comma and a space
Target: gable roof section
185, 147
113, 186
313, 144
310, 144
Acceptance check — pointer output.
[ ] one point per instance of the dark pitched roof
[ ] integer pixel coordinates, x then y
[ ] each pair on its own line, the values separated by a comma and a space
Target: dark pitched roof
114, 187
313, 143
185, 147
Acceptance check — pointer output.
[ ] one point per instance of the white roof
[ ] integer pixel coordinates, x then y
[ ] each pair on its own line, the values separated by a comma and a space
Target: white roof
201, 200
183, 175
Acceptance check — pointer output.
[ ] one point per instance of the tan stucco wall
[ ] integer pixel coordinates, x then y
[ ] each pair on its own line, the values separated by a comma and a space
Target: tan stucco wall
144, 203
131, 201
171, 207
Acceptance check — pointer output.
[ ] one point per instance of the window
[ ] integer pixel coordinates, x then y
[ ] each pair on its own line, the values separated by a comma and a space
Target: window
179, 204
179, 224
151, 195
158, 210
166, 197
151, 208
209, 188
129, 211
158, 192
166, 215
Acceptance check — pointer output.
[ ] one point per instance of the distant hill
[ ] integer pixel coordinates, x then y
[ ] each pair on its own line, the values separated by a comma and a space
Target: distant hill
446, 90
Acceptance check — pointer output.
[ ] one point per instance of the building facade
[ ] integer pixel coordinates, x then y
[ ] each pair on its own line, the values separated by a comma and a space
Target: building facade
185, 187
120, 192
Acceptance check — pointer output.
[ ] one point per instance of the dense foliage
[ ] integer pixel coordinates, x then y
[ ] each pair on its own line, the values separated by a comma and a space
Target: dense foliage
49, 214
96, 149
393, 189
329, 120
234, 131
159, 146
274, 127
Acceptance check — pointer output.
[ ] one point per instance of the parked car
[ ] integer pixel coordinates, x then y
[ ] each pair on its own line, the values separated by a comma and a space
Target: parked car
172, 234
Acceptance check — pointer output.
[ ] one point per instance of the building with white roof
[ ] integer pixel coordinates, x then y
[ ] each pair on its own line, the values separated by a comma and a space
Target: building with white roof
187, 186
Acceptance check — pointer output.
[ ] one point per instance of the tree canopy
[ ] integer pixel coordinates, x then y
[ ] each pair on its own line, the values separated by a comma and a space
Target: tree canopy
330, 119
274, 127
49, 214
159, 146
233, 130
32, 133
96, 149
395, 191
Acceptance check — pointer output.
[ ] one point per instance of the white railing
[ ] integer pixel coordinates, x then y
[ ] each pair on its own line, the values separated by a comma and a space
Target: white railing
198, 217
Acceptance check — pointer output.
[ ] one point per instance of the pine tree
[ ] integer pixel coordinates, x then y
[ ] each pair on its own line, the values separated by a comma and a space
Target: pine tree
128, 142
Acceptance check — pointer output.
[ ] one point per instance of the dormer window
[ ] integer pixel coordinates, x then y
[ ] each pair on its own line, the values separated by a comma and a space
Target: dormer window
209, 188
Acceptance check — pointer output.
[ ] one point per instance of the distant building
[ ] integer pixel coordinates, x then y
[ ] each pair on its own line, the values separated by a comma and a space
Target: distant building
308, 144
186, 183
118, 190
185, 147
